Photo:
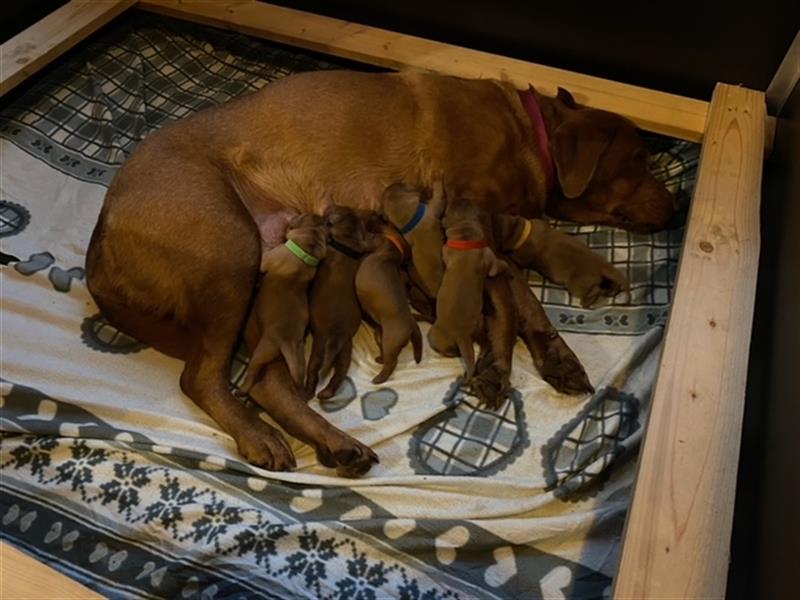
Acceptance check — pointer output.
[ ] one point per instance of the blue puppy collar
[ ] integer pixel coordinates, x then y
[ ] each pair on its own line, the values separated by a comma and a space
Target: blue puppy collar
414, 220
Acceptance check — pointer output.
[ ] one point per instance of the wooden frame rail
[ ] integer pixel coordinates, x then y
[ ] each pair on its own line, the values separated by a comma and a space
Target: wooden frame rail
672, 115
679, 525
678, 529
26, 53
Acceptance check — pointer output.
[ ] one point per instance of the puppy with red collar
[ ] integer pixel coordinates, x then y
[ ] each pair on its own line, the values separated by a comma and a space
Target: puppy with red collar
468, 261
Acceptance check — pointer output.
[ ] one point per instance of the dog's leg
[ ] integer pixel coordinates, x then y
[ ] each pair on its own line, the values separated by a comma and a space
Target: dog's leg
565, 260
416, 343
377, 333
491, 383
266, 350
422, 304
276, 394
314, 366
467, 352
294, 354
394, 338
204, 378
341, 364
552, 357
204, 381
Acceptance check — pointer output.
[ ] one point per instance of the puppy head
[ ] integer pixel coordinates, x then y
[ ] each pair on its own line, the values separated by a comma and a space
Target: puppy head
601, 164
399, 205
464, 220
347, 226
310, 233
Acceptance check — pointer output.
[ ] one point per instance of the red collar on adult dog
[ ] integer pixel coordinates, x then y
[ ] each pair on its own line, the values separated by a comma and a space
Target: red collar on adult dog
528, 99
467, 244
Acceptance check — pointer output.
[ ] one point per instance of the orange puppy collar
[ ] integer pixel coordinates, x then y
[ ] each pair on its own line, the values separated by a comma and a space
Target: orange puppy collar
397, 243
526, 233
467, 244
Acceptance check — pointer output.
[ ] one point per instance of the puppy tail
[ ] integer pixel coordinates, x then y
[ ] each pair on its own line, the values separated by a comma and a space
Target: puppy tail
416, 342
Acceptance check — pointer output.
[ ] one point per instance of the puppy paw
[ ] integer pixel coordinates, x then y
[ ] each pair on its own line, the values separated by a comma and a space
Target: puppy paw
609, 282
264, 446
491, 383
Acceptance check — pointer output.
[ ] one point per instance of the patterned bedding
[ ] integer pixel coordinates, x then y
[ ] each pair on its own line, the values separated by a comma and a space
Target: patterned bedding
114, 477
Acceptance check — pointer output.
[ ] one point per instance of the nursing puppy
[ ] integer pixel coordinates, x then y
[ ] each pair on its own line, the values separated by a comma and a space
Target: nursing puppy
335, 313
468, 262
558, 256
382, 294
420, 224
278, 321
493, 370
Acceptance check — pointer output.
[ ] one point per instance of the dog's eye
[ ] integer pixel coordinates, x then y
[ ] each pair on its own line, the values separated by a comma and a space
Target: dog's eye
640, 155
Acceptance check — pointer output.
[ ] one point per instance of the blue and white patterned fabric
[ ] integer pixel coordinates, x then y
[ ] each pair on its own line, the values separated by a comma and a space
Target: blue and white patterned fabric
114, 477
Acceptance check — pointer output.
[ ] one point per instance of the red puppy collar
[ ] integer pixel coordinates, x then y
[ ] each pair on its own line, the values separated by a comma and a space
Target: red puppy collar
467, 244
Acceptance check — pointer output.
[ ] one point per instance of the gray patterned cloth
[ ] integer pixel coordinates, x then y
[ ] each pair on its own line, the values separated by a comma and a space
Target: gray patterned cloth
114, 477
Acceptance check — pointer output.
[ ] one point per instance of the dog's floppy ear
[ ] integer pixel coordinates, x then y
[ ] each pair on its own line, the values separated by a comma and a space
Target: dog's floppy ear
576, 151
566, 98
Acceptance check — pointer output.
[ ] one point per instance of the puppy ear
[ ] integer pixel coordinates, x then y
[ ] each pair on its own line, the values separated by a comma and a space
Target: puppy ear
333, 214
566, 98
577, 149
496, 266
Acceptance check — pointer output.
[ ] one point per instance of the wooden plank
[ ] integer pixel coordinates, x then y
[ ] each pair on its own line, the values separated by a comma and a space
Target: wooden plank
785, 79
669, 114
23, 577
679, 525
26, 53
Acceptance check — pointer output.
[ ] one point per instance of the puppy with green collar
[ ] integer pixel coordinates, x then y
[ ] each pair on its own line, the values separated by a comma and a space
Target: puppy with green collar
278, 321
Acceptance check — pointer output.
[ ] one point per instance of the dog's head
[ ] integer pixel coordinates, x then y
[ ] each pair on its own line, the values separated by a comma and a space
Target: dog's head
601, 165
399, 205
310, 233
349, 227
464, 220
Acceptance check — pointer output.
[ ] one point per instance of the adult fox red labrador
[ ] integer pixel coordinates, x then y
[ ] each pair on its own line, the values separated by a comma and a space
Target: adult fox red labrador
174, 258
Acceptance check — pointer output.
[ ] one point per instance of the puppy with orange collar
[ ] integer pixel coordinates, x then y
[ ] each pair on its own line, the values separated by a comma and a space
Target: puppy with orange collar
382, 295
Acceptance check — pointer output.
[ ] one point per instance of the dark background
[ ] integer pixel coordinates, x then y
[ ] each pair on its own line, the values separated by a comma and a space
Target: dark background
684, 48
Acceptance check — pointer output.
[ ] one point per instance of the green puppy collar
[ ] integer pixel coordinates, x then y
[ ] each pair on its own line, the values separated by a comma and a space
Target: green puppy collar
311, 261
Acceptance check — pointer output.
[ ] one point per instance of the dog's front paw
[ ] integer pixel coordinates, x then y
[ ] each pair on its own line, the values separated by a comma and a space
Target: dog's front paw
264, 446
347, 455
562, 369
